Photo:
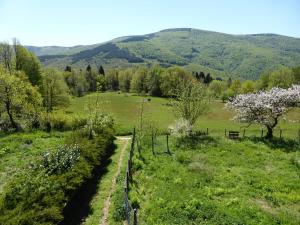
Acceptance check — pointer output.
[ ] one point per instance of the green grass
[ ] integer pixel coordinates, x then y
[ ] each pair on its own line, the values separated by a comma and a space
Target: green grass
125, 109
20, 149
218, 181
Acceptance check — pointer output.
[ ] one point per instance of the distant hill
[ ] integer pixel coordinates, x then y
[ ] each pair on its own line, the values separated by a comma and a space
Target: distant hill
244, 56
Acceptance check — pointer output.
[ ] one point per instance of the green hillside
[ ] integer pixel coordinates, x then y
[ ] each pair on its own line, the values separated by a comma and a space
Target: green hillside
244, 56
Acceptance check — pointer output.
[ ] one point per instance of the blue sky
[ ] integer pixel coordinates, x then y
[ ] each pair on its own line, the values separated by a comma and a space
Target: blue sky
68, 23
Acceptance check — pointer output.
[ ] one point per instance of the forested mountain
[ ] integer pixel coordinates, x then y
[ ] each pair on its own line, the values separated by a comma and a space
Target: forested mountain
244, 56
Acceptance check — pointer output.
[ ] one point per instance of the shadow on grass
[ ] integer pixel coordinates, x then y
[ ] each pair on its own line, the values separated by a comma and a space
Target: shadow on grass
287, 145
78, 208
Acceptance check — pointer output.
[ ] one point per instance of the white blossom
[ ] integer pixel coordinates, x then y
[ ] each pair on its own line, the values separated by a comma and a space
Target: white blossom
264, 108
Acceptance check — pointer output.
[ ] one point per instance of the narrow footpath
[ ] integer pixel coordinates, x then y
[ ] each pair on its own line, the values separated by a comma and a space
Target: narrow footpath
113, 182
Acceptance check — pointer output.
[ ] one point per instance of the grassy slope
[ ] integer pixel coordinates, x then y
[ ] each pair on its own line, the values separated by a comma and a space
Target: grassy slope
126, 110
218, 182
245, 56
18, 150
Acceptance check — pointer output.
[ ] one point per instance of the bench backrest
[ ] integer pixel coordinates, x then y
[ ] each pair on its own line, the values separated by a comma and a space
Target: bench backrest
233, 134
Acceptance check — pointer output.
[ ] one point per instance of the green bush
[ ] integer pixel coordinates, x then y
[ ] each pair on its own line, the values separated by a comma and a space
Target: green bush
62, 122
60, 160
38, 196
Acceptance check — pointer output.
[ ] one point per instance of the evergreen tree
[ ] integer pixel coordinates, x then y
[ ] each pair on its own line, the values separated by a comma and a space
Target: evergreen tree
201, 76
88, 68
208, 79
229, 82
68, 69
101, 71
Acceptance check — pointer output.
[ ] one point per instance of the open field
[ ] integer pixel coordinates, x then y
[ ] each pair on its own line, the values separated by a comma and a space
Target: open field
126, 108
217, 181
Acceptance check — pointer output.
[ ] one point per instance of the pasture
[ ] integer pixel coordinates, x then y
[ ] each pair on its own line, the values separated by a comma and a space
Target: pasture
126, 108
217, 181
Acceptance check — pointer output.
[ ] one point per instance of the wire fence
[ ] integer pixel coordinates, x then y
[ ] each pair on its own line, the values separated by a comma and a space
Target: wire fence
130, 212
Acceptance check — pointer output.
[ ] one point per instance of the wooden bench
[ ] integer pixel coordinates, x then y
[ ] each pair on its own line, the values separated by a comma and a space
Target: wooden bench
233, 134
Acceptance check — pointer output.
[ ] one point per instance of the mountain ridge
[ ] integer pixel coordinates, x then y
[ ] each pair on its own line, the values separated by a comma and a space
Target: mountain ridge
243, 56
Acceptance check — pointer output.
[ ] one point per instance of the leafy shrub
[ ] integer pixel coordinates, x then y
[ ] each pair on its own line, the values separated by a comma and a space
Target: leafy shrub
38, 196
60, 160
62, 122
95, 124
78, 122
181, 128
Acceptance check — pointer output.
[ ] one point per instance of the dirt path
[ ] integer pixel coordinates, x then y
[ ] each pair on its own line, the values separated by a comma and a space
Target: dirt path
113, 185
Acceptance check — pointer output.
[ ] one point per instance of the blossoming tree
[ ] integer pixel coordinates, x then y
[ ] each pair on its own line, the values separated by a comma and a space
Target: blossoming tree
265, 108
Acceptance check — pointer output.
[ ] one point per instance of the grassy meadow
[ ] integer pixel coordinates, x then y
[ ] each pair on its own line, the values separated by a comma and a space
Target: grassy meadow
217, 181
126, 108
212, 181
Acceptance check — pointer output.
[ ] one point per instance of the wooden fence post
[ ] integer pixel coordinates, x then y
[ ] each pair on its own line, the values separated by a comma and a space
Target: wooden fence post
206, 131
168, 150
262, 133
152, 138
280, 134
244, 133
133, 140
135, 217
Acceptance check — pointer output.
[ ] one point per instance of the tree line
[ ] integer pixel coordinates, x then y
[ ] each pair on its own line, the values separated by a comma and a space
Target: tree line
160, 82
